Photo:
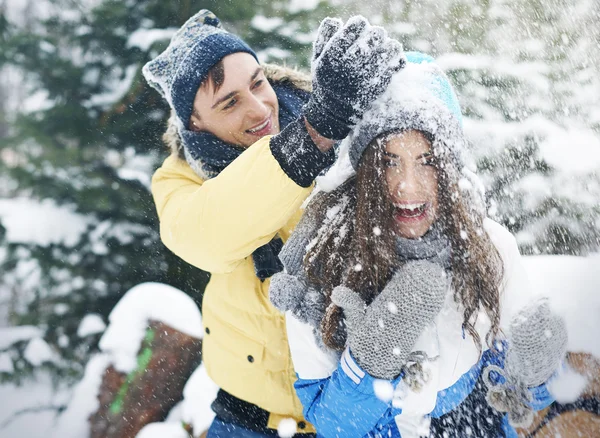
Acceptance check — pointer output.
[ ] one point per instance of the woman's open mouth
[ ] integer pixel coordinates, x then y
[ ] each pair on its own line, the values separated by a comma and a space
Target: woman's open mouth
411, 212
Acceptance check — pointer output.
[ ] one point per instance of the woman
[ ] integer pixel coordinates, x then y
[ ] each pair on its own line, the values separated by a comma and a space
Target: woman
406, 307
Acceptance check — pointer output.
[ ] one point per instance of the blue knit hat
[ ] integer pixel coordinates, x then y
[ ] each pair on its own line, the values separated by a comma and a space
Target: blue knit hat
419, 97
178, 72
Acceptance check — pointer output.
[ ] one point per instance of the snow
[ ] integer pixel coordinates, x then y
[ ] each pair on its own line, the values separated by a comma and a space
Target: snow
573, 151
124, 232
341, 170
162, 430
384, 390
91, 324
573, 286
142, 303
295, 6
12, 335
117, 86
532, 72
287, 428
6, 363
198, 394
271, 53
266, 24
143, 39
567, 386
29, 410
41, 222
37, 101
38, 351
132, 166
72, 423
17, 11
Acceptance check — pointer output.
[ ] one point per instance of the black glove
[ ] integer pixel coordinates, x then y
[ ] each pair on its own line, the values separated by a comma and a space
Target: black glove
352, 66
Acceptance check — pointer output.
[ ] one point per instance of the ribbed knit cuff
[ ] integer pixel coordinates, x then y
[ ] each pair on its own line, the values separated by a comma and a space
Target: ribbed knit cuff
325, 124
298, 155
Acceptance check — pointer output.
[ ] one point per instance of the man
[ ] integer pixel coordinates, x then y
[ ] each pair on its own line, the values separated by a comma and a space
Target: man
247, 143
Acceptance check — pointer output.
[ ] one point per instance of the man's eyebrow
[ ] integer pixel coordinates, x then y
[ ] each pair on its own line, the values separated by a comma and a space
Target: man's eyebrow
233, 93
223, 99
256, 73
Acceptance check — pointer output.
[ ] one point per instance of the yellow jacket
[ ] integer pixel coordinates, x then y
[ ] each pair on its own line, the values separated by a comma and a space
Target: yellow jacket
216, 224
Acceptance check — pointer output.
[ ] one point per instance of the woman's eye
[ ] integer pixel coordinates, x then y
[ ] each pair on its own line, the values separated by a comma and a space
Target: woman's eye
230, 104
429, 161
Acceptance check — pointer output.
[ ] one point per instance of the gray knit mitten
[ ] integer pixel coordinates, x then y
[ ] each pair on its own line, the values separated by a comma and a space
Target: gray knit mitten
291, 293
537, 343
382, 335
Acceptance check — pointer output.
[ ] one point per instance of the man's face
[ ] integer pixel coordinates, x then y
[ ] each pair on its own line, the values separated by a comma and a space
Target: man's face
243, 110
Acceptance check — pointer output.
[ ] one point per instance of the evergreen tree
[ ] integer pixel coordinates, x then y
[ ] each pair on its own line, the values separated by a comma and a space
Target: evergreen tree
91, 148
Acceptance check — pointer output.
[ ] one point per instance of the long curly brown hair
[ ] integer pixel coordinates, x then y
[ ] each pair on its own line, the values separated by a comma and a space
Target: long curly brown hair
356, 246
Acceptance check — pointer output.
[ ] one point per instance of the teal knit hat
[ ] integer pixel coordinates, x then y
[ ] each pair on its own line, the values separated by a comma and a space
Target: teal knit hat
178, 72
419, 97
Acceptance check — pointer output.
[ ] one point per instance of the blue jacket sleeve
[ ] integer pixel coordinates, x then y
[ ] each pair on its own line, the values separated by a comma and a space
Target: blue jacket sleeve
344, 404
541, 397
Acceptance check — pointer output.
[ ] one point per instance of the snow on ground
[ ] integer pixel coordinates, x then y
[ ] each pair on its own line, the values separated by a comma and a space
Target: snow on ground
73, 423
27, 411
198, 394
162, 430
120, 344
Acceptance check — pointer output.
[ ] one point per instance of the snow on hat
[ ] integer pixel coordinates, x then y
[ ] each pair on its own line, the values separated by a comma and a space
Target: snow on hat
178, 72
419, 97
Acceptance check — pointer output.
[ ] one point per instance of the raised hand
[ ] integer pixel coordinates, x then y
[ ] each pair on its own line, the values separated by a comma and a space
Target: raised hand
352, 65
327, 28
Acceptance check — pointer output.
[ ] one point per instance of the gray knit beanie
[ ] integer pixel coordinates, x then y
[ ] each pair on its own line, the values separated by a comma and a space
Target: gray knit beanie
420, 97
178, 72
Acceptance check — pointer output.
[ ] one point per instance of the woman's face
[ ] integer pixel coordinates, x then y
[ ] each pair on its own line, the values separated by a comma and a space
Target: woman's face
412, 181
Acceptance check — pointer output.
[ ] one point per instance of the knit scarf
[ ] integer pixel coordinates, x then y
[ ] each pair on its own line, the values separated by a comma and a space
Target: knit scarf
433, 246
214, 155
